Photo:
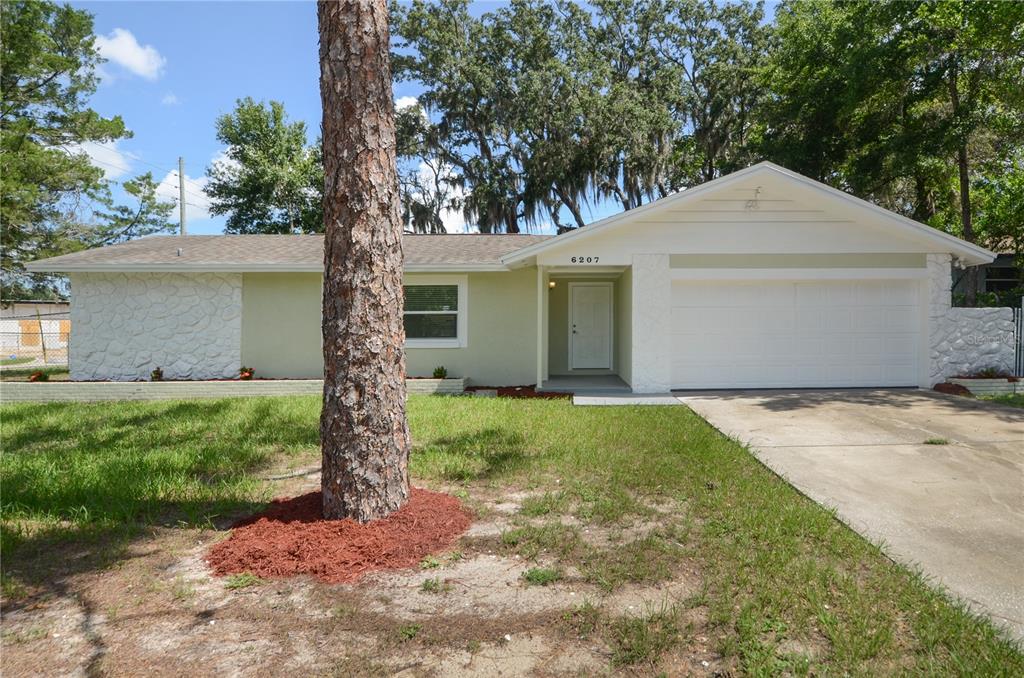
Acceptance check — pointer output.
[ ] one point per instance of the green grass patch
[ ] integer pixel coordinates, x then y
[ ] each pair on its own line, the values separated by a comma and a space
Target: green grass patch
241, 580
936, 441
775, 567
409, 631
435, 585
642, 640
1013, 400
15, 361
541, 576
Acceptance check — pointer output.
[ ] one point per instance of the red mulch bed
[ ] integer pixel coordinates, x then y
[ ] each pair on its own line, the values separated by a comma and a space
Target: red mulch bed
952, 389
291, 538
521, 392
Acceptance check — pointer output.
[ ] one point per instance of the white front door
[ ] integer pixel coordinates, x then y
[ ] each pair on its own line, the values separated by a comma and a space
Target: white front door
590, 326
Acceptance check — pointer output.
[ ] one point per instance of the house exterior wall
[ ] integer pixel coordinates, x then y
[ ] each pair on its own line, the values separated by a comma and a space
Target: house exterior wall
281, 335
502, 333
124, 325
652, 298
624, 325
963, 341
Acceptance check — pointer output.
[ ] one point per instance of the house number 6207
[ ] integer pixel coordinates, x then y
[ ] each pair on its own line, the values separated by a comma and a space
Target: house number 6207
584, 260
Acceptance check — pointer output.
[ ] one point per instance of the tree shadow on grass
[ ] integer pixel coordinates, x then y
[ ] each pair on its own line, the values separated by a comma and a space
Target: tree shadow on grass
86, 487
476, 455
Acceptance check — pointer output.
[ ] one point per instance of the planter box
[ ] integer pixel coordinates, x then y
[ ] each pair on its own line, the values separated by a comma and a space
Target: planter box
986, 387
435, 386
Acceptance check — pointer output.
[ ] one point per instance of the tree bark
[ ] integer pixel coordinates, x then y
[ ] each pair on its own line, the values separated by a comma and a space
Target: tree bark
363, 429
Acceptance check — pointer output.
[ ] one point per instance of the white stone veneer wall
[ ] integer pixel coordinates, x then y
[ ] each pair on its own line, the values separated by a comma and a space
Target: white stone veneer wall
123, 325
963, 341
652, 323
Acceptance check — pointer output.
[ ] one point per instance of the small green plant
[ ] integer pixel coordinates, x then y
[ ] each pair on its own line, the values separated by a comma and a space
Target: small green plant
989, 373
39, 375
246, 373
430, 563
242, 580
435, 585
541, 576
583, 619
157, 375
936, 441
440, 372
644, 639
409, 631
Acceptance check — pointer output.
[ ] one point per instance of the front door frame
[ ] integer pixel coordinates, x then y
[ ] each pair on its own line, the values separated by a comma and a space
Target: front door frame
611, 323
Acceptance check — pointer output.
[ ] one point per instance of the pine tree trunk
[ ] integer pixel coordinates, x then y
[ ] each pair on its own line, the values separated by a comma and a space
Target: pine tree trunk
363, 430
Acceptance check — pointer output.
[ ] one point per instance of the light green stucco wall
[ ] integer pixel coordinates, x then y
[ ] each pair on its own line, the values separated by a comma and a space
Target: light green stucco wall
281, 329
558, 327
502, 336
624, 325
281, 324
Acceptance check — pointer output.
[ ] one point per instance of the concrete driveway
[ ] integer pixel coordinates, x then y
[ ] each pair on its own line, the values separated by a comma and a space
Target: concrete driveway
956, 510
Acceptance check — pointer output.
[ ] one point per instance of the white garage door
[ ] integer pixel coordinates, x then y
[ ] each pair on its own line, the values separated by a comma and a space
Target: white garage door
771, 334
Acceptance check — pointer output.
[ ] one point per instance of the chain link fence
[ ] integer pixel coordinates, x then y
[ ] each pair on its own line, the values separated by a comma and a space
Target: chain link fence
34, 341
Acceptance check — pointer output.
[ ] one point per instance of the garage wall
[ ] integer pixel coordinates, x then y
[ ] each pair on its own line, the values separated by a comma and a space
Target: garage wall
123, 325
281, 335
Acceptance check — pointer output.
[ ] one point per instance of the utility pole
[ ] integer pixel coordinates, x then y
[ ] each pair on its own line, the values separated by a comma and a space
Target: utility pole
181, 194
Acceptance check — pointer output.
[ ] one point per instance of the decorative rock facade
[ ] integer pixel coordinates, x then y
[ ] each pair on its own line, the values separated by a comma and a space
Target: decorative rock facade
963, 341
124, 325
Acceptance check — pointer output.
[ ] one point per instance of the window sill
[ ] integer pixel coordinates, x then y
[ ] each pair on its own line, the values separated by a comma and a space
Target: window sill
433, 343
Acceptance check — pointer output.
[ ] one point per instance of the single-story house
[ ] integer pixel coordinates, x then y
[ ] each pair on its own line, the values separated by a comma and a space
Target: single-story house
762, 278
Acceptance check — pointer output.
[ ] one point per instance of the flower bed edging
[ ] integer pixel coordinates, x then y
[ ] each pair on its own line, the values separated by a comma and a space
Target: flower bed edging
435, 386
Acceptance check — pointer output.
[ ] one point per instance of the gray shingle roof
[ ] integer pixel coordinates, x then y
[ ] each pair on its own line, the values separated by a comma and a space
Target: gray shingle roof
281, 252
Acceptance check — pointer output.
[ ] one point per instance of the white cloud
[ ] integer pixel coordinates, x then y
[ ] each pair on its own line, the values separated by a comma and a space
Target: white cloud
107, 156
121, 47
197, 205
405, 102
170, 99
453, 220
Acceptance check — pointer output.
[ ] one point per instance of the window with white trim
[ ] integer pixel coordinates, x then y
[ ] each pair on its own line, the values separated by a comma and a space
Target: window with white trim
435, 313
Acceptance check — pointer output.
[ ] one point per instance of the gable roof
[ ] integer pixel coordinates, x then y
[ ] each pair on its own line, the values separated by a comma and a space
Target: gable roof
446, 252
971, 254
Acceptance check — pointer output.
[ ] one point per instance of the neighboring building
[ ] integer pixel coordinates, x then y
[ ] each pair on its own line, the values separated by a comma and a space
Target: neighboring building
762, 278
29, 327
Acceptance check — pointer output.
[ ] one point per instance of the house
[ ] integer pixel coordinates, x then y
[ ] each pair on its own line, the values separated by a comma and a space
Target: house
34, 329
762, 278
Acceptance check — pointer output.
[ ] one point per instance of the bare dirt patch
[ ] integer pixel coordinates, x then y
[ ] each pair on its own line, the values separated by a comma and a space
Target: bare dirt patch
159, 610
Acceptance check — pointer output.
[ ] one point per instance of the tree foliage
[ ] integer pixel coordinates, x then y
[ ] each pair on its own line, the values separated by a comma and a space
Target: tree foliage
52, 198
537, 110
271, 179
914, 105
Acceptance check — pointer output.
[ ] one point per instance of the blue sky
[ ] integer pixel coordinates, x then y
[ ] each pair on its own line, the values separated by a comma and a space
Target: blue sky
174, 67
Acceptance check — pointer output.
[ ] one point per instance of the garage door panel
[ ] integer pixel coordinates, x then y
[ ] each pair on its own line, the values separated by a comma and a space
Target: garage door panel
794, 334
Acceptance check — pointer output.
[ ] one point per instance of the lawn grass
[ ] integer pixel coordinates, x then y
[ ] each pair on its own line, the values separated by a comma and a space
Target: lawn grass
1013, 400
15, 361
776, 569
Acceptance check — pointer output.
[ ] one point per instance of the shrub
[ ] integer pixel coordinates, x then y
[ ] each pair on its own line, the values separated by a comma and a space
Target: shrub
39, 375
157, 375
246, 373
440, 372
